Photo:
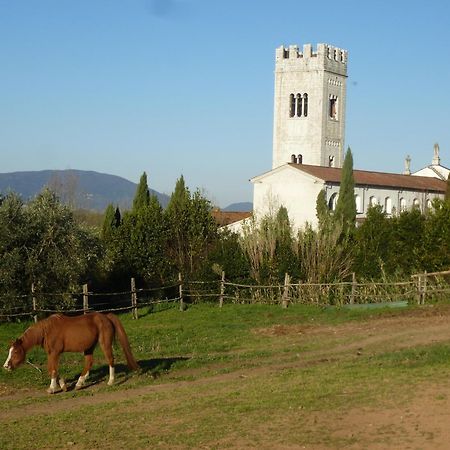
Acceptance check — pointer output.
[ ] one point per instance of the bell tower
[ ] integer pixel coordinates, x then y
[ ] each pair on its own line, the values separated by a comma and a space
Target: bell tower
309, 105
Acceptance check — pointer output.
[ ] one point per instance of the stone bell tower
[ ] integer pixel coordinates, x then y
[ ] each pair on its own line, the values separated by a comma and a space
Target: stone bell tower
309, 105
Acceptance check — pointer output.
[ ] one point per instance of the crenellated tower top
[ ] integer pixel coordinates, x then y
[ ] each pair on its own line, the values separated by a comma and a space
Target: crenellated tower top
326, 57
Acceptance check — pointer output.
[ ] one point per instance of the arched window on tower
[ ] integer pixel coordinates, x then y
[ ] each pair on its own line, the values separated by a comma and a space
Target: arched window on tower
291, 105
299, 105
300, 158
332, 110
305, 105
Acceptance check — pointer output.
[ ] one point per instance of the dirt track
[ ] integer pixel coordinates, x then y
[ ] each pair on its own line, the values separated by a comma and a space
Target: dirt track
422, 423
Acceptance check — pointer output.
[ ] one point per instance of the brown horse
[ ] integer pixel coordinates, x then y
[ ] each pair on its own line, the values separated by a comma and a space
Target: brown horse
59, 333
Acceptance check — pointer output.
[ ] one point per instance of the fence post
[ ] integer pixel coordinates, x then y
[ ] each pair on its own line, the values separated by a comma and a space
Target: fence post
419, 288
424, 287
134, 309
352, 295
222, 289
180, 279
33, 290
85, 298
284, 303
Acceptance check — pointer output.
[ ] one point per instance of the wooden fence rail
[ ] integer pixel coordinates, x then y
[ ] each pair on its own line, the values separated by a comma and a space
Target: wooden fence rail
420, 289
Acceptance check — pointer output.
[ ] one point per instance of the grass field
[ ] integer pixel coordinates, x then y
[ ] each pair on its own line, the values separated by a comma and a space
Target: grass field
245, 376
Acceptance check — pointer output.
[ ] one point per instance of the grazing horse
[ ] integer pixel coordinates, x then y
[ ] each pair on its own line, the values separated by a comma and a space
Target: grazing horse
59, 333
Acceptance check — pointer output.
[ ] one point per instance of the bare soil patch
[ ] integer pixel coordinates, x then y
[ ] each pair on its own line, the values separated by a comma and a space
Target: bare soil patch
420, 423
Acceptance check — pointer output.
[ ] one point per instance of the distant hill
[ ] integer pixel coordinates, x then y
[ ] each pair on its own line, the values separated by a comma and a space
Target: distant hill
84, 189
241, 207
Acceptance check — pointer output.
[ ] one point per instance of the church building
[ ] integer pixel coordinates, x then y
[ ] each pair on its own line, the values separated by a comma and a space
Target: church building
308, 145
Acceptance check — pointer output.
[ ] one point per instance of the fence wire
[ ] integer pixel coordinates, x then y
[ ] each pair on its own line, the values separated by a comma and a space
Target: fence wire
421, 288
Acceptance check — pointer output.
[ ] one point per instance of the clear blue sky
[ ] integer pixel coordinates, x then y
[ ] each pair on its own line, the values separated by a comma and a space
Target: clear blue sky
176, 87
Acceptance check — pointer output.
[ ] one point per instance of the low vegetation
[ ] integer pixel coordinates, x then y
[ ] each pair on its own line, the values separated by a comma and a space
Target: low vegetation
240, 376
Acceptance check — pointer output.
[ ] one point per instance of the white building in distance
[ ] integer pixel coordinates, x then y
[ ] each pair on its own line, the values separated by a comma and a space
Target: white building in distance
308, 145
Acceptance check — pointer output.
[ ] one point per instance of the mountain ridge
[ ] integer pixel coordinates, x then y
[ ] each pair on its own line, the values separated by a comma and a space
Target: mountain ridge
87, 189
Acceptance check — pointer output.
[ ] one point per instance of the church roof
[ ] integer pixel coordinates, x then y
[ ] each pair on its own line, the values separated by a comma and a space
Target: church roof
380, 179
223, 218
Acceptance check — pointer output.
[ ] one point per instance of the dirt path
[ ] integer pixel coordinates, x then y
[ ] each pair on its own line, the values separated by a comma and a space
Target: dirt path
422, 423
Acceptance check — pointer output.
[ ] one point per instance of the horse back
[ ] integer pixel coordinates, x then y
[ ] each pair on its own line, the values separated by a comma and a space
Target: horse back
76, 334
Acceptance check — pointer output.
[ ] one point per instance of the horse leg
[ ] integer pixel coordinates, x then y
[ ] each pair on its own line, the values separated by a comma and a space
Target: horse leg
106, 346
88, 360
52, 364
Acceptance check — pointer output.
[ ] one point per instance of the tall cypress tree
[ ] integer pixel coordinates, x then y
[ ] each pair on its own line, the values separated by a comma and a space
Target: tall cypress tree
346, 207
142, 196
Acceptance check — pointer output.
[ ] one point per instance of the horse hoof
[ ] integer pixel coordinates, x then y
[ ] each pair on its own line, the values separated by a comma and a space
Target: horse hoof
78, 387
51, 391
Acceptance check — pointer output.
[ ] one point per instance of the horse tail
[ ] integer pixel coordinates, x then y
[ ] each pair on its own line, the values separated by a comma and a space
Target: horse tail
123, 339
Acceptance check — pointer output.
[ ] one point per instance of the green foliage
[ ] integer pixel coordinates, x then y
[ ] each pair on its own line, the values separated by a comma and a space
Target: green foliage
323, 254
142, 196
436, 240
407, 245
346, 207
143, 238
268, 246
192, 229
42, 244
322, 212
227, 255
373, 244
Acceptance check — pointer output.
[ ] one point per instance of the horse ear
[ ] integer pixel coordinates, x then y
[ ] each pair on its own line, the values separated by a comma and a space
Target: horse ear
18, 341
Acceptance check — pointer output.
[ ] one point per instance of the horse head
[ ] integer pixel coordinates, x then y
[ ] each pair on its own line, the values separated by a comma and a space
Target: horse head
16, 355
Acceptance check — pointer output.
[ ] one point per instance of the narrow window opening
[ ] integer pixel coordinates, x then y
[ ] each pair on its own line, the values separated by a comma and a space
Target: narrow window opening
331, 161
300, 158
305, 105
333, 107
292, 105
293, 159
299, 105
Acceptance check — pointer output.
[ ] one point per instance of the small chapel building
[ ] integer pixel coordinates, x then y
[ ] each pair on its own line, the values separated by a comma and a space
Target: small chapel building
308, 145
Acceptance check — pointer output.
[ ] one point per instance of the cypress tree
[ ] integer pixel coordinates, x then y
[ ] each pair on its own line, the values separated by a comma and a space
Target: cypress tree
142, 196
346, 207
322, 211
111, 222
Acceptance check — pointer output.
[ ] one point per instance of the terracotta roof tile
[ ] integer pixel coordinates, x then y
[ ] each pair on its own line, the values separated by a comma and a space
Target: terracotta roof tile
382, 179
223, 218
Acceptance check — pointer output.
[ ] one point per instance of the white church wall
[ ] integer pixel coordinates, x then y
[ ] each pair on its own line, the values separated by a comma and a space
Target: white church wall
289, 188
390, 199
434, 172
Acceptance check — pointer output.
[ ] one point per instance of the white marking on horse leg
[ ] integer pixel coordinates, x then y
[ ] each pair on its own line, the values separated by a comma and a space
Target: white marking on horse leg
53, 386
81, 380
8, 359
111, 375
62, 383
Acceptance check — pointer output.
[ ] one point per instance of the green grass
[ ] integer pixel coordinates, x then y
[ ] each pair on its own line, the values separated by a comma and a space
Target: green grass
223, 401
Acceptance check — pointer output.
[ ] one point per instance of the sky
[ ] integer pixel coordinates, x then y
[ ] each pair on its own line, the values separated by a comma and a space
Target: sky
185, 87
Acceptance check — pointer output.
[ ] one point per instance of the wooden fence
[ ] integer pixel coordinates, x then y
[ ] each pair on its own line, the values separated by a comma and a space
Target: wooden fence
421, 288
